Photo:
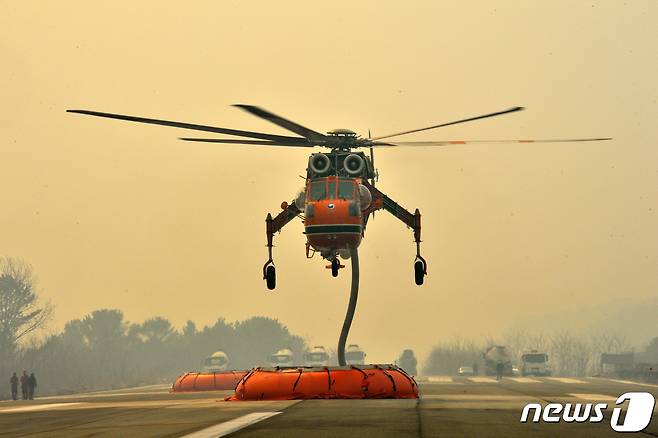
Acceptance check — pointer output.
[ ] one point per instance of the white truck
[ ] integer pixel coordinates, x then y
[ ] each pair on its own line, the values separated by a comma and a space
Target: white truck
218, 361
535, 363
316, 357
354, 355
282, 358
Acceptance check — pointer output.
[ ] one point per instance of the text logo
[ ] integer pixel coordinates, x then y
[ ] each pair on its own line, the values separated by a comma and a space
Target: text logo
638, 413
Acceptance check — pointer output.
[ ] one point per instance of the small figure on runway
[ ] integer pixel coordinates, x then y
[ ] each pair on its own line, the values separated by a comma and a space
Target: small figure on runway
14, 386
24, 379
500, 367
31, 386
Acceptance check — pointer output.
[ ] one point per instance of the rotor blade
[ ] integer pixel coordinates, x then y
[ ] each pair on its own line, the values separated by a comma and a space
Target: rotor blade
460, 142
511, 110
187, 126
302, 143
284, 123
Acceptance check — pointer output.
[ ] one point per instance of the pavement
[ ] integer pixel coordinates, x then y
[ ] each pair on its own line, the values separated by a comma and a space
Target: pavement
448, 407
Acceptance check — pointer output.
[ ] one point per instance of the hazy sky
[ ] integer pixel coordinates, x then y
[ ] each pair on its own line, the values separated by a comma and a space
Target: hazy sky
114, 214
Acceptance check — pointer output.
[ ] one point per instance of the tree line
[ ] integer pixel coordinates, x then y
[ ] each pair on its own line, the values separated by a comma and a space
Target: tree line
102, 350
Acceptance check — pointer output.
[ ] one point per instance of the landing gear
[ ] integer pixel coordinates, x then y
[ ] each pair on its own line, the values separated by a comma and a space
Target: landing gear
420, 266
269, 274
335, 266
420, 270
269, 271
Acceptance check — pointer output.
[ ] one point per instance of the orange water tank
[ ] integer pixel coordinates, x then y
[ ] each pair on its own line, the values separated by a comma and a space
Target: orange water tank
351, 382
216, 381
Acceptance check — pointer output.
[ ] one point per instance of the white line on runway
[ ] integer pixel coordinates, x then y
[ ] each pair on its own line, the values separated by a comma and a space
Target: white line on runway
45, 407
594, 397
482, 379
439, 379
231, 426
566, 380
626, 382
102, 395
476, 397
523, 379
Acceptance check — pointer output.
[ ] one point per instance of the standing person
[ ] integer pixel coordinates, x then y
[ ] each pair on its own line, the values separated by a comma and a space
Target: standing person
499, 370
14, 386
24, 378
31, 386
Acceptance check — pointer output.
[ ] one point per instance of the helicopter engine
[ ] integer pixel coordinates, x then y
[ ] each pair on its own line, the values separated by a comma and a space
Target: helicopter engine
319, 163
354, 165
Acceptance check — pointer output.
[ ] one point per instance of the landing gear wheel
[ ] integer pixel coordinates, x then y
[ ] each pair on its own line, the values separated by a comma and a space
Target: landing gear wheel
270, 277
419, 272
335, 265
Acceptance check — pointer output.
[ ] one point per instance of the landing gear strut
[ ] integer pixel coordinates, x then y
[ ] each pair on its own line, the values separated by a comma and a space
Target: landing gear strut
420, 265
335, 266
273, 225
380, 200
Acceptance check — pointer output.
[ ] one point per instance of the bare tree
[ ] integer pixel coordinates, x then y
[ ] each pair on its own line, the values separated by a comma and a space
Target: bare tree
21, 311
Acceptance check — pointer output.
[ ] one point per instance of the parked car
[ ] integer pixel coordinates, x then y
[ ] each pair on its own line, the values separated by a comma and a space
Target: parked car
465, 371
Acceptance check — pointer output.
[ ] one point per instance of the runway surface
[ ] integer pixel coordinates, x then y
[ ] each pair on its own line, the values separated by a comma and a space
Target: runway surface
448, 407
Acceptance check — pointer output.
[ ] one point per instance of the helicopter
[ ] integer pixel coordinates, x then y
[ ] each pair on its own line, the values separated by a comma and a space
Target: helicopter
340, 191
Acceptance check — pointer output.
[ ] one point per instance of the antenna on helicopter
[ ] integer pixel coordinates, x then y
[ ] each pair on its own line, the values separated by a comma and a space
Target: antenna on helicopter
372, 162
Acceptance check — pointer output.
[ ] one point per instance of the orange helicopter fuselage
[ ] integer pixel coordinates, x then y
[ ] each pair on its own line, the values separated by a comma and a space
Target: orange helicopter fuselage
332, 216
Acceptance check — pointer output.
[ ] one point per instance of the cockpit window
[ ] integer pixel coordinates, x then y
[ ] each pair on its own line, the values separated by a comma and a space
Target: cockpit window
331, 189
318, 190
345, 190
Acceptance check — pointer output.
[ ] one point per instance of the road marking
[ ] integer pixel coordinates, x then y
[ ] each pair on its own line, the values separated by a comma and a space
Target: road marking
627, 382
482, 379
440, 379
231, 426
101, 395
476, 397
523, 379
595, 397
566, 380
45, 407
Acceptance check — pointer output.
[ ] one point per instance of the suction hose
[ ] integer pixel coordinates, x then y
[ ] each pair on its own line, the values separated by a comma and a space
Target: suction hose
351, 307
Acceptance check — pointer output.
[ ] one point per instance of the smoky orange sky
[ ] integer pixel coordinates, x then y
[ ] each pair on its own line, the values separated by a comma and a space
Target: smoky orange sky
122, 215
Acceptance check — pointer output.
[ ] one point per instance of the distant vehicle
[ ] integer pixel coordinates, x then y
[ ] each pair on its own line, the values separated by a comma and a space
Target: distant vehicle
465, 371
316, 357
493, 356
535, 363
282, 358
408, 362
516, 371
354, 355
218, 361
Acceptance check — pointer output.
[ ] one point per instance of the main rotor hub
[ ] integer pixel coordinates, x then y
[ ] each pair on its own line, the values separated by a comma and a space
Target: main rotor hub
341, 132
